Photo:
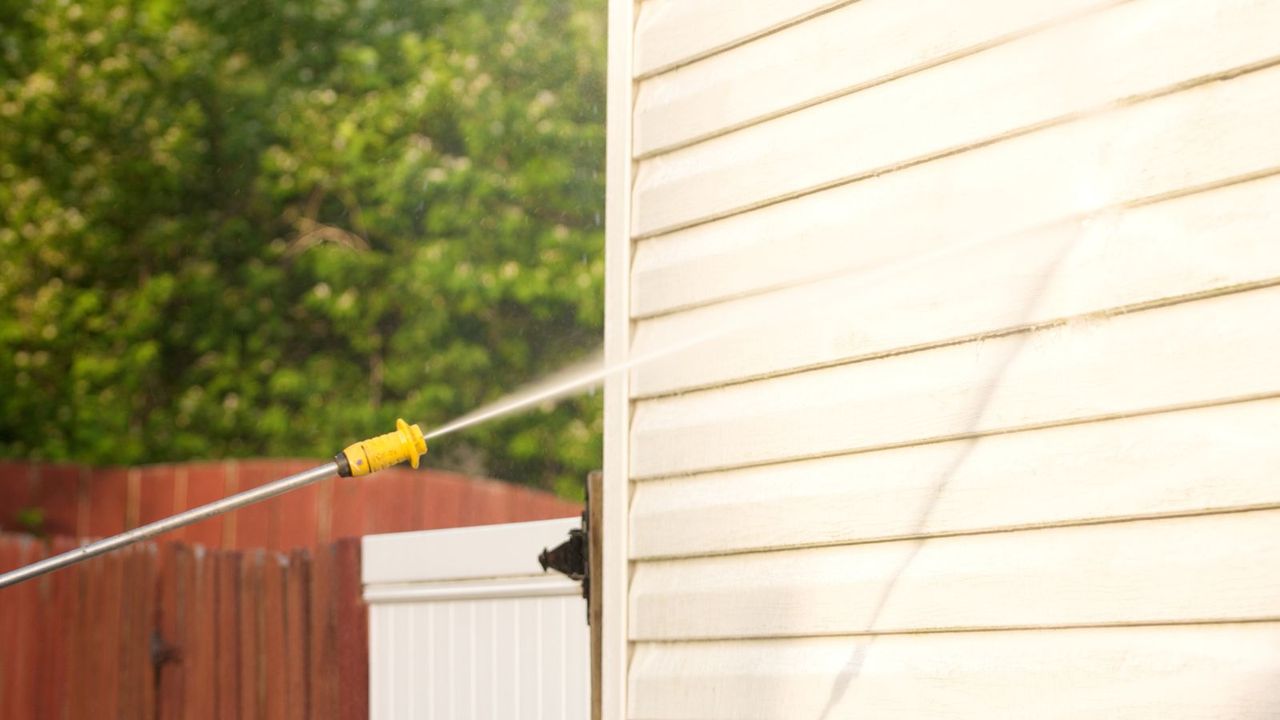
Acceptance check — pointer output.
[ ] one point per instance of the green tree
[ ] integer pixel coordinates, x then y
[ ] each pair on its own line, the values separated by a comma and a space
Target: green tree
233, 228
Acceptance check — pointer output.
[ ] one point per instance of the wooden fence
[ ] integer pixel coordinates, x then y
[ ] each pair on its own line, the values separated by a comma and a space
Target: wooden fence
177, 631
82, 501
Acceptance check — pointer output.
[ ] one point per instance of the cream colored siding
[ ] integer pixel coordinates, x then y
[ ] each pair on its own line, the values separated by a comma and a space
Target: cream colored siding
1067, 173
976, 406
1187, 672
1186, 354
1053, 577
962, 289
672, 32
856, 46
1006, 90
1218, 457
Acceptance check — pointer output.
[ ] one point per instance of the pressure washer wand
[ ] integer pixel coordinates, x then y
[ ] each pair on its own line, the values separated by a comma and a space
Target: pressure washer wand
362, 458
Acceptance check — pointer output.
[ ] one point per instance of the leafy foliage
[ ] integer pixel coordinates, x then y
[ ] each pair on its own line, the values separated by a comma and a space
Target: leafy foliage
235, 228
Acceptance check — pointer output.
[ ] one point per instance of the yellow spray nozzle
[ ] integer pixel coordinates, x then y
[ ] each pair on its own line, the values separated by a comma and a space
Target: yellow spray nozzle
376, 453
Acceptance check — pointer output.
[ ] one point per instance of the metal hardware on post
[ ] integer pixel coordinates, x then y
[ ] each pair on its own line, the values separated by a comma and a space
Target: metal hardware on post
573, 556
569, 557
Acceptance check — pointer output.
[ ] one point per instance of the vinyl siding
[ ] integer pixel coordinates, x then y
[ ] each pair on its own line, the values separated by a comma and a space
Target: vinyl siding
975, 403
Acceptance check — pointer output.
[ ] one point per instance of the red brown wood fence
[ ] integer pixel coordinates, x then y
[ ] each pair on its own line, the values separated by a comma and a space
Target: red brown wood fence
81, 501
177, 631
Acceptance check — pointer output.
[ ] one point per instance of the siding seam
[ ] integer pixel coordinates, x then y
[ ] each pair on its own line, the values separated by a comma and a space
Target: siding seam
1028, 328
898, 74
740, 41
1133, 204
966, 630
995, 530
1061, 422
1064, 119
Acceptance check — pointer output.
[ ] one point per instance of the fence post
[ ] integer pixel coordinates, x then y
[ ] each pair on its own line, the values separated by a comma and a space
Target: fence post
353, 632
595, 571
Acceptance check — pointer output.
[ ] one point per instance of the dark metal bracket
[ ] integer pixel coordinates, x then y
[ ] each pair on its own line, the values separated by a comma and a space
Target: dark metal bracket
569, 557
573, 556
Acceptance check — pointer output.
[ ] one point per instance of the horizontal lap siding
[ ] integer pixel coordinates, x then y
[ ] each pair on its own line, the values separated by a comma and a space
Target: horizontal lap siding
1190, 353
1191, 569
857, 45
1134, 673
672, 32
1221, 457
1202, 243
974, 309
1009, 88
1136, 154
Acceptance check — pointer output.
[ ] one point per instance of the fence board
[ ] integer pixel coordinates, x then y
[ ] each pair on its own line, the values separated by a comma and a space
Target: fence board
21, 604
228, 634
347, 510
206, 482
297, 635
297, 512
390, 502
56, 492
126, 701
15, 491
444, 501
81, 633
353, 632
252, 691
178, 631
257, 525
112, 606
170, 640
199, 654
107, 491
137, 613
143, 595
272, 656
324, 648
157, 498
57, 605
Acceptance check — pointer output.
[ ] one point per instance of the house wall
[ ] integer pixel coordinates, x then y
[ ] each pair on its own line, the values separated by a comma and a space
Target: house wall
974, 404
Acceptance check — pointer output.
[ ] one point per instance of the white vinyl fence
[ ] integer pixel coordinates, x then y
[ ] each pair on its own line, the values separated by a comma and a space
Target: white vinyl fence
463, 623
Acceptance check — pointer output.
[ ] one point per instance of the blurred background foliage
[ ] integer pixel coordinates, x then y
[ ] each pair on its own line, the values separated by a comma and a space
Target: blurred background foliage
238, 228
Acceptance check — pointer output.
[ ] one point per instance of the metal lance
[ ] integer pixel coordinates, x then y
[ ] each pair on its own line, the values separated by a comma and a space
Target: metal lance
362, 458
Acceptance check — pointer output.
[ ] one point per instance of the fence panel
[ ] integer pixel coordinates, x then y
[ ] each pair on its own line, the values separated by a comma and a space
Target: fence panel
81, 501
176, 631
464, 623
